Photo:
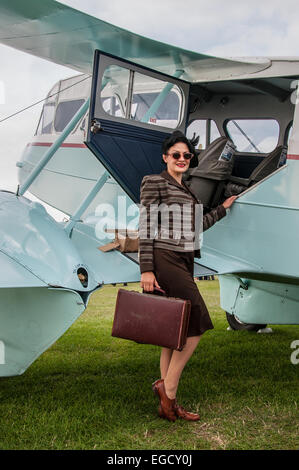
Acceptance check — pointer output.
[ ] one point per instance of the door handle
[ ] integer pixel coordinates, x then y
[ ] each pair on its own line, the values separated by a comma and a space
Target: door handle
95, 126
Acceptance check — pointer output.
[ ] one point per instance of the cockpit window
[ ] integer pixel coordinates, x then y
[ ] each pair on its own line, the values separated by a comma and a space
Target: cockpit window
65, 111
253, 135
46, 119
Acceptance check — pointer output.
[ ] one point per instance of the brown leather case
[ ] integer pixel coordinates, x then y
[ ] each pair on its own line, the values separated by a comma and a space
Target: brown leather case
151, 319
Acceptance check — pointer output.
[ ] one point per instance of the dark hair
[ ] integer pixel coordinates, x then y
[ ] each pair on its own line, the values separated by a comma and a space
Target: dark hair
174, 138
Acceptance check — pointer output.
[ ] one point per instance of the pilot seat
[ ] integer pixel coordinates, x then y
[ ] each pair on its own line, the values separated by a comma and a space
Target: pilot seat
207, 180
270, 163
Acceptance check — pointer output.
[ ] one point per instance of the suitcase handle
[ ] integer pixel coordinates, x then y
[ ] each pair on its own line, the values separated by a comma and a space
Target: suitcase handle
157, 289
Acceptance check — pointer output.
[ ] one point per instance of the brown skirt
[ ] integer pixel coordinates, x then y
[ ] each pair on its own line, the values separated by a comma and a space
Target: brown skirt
174, 273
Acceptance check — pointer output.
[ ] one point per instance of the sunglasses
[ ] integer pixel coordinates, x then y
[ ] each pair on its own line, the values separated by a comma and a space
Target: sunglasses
176, 155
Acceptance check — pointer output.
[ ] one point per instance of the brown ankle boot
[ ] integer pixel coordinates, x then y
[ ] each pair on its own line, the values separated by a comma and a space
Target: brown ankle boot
182, 413
166, 409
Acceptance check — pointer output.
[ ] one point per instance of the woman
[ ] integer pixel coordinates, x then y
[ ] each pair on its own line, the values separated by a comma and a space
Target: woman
167, 261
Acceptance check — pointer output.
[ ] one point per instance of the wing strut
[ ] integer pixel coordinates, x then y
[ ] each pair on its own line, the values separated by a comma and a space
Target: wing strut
85, 203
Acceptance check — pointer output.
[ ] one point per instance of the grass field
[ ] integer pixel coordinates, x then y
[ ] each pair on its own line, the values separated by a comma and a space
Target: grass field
92, 391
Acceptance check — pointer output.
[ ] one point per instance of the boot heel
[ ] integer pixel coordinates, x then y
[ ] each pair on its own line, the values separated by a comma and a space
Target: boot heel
166, 404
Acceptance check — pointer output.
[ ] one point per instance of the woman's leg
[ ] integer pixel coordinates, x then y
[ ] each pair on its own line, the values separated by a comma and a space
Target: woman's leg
165, 361
176, 365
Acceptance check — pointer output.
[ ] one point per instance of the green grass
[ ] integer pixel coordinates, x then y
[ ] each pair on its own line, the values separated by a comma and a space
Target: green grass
92, 391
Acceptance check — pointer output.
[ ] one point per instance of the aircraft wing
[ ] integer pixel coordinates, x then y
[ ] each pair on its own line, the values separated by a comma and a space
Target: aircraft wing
66, 36
13, 274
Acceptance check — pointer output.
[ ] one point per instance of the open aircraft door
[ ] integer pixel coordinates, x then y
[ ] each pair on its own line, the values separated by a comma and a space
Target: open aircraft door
132, 111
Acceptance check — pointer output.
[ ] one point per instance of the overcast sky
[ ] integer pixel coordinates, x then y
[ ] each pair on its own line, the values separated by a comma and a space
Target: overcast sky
222, 28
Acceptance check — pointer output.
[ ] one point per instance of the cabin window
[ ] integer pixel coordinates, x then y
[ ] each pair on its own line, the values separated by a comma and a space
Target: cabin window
65, 111
253, 135
46, 119
132, 95
206, 129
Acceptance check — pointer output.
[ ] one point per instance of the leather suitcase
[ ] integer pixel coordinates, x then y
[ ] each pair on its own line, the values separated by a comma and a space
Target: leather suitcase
151, 319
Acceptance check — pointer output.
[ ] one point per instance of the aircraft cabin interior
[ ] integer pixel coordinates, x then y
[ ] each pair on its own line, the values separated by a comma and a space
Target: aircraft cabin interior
244, 129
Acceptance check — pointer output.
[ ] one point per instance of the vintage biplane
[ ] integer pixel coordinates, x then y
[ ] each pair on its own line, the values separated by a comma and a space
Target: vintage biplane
100, 132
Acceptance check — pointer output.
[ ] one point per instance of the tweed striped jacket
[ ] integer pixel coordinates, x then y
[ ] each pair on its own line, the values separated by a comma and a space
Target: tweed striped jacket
170, 218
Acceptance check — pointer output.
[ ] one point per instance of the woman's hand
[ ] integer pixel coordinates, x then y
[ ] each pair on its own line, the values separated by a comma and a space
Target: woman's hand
149, 281
229, 201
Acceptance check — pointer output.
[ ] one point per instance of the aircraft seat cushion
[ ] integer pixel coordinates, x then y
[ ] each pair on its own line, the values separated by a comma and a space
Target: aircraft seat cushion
239, 180
203, 188
209, 166
268, 165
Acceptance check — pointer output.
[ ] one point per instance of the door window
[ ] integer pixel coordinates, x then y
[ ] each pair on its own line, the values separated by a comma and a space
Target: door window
155, 101
141, 98
114, 90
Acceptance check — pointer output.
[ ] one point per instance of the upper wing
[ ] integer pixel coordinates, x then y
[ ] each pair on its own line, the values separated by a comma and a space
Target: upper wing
56, 32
